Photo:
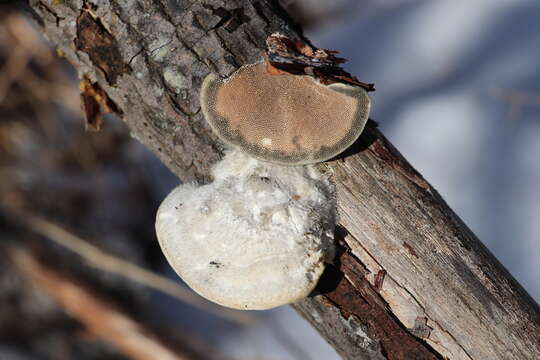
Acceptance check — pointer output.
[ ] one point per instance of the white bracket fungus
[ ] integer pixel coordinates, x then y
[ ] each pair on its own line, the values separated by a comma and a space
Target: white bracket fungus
286, 119
255, 238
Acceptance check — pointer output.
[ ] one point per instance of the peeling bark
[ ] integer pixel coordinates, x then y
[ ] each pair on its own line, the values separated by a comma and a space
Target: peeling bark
99, 44
95, 103
297, 57
444, 295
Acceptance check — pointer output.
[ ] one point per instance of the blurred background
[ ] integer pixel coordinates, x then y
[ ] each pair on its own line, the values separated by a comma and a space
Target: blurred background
458, 93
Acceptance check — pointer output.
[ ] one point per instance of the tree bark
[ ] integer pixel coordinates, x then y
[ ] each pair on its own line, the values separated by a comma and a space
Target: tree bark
410, 281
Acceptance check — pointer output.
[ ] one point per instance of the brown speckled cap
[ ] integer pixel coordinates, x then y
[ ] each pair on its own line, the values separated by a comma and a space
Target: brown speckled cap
286, 119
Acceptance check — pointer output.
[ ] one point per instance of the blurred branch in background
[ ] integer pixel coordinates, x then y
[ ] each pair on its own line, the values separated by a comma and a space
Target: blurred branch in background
314, 13
516, 101
102, 319
30, 69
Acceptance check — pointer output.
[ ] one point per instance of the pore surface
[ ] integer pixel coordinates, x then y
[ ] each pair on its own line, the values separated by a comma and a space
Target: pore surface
287, 118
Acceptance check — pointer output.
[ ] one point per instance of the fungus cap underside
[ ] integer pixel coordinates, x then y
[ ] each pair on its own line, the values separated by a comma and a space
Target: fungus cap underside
287, 119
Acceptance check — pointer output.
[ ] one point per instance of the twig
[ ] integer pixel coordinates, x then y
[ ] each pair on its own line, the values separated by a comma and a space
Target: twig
516, 100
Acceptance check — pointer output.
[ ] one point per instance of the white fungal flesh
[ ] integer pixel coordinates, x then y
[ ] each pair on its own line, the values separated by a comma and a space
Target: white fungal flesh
255, 238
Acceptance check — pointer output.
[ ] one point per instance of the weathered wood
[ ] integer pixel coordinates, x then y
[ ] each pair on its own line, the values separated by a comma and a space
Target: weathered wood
411, 281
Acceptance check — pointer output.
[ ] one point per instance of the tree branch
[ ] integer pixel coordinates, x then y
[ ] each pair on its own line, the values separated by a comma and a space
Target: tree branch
411, 280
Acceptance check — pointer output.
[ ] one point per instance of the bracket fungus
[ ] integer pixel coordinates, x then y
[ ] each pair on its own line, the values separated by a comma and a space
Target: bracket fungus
286, 119
255, 238
258, 236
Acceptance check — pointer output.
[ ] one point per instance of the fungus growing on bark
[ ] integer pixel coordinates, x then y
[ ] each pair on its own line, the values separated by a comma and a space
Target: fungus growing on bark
286, 119
255, 238
258, 236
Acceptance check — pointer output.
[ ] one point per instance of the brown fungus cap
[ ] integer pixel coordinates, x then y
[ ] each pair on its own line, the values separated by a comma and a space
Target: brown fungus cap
286, 119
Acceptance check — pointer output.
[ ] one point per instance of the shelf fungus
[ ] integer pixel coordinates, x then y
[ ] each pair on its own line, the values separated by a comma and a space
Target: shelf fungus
255, 238
259, 235
286, 119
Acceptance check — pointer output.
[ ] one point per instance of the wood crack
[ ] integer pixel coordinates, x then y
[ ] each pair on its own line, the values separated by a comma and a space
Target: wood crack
354, 295
51, 12
412, 296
